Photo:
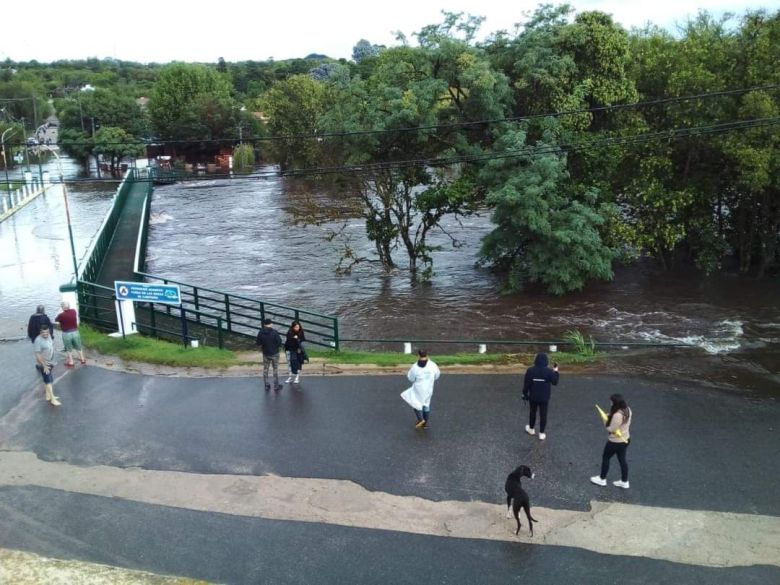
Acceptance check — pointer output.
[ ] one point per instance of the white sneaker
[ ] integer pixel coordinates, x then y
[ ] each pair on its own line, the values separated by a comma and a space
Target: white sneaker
55, 402
288, 380
529, 430
297, 379
542, 436
598, 481
620, 484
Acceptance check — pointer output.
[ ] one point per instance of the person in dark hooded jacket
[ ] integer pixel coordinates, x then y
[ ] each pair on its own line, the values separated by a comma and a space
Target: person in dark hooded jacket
38, 321
270, 343
537, 390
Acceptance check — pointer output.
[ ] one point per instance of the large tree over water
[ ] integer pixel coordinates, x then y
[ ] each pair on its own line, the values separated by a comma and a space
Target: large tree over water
425, 108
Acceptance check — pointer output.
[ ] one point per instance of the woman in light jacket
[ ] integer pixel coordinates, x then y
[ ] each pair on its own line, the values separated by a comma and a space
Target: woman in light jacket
618, 423
422, 376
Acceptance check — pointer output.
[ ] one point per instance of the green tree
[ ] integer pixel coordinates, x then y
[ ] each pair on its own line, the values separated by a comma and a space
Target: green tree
83, 114
21, 99
294, 107
192, 104
431, 89
243, 158
543, 234
753, 156
116, 145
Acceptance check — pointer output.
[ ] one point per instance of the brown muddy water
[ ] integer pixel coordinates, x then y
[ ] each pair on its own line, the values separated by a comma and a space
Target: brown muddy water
240, 235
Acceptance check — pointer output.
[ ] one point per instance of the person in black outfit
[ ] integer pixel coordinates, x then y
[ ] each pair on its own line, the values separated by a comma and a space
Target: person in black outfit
37, 322
537, 389
295, 354
270, 343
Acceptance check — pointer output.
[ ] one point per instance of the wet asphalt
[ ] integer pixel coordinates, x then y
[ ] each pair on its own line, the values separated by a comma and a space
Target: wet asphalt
692, 448
231, 549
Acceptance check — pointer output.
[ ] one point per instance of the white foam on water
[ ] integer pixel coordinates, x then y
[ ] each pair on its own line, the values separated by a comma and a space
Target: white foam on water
159, 218
724, 337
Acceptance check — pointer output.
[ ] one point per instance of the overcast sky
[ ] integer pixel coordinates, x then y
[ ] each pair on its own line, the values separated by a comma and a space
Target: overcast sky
238, 30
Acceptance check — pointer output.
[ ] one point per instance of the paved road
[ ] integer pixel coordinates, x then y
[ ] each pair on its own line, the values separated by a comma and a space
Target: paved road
692, 448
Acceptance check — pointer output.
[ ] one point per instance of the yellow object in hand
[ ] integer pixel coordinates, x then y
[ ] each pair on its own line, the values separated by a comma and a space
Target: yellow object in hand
604, 418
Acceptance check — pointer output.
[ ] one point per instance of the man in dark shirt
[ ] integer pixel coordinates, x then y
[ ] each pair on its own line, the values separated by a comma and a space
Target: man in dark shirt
270, 343
37, 322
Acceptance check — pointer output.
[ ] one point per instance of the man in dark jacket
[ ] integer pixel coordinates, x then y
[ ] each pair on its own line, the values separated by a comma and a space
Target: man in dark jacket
37, 322
537, 389
270, 343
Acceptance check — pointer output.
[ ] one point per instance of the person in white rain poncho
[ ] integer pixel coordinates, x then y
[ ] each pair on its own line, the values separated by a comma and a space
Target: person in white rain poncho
421, 375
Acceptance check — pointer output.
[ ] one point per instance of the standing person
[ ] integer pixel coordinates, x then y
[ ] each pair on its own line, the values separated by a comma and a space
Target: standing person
43, 347
537, 389
270, 343
298, 329
69, 323
294, 348
37, 320
618, 423
422, 376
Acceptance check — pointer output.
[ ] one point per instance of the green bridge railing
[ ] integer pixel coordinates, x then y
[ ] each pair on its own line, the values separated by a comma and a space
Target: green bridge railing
97, 253
206, 314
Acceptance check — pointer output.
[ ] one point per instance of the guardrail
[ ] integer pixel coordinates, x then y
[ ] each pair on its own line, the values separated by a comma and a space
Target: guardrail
97, 251
228, 313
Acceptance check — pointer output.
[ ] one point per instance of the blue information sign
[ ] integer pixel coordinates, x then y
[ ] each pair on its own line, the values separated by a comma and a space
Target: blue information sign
147, 292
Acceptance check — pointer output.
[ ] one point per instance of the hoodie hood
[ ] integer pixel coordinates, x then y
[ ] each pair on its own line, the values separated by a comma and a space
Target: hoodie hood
541, 360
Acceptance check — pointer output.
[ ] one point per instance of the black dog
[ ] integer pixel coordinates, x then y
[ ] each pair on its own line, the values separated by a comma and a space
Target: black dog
516, 497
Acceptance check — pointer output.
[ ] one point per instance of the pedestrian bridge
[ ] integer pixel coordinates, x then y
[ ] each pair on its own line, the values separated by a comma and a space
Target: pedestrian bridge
210, 316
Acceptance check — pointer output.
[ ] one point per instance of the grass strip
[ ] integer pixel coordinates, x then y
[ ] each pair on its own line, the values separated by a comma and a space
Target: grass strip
138, 348
389, 359
149, 350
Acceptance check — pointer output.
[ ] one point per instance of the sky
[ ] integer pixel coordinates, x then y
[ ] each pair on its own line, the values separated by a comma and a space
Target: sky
240, 30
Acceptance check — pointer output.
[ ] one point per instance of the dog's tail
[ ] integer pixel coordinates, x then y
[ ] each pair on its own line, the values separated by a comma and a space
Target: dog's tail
532, 518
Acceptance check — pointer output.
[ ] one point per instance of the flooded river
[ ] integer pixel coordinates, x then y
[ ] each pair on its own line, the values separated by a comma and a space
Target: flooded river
240, 235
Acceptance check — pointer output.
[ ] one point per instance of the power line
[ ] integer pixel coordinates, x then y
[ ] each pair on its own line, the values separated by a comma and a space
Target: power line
529, 151
559, 114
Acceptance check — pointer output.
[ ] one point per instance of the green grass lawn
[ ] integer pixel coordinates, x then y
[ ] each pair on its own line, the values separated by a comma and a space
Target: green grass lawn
463, 359
154, 351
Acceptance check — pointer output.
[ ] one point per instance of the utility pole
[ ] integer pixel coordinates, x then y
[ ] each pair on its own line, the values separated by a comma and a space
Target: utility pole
81, 112
97, 156
25, 146
5, 161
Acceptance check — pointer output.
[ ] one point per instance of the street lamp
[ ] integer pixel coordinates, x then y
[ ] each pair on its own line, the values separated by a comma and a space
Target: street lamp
67, 215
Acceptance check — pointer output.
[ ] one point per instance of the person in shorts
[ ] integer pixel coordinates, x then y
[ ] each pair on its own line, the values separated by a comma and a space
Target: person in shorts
43, 347
68, 321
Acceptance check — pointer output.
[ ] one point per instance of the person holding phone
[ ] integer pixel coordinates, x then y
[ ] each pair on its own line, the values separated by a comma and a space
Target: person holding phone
537, 389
